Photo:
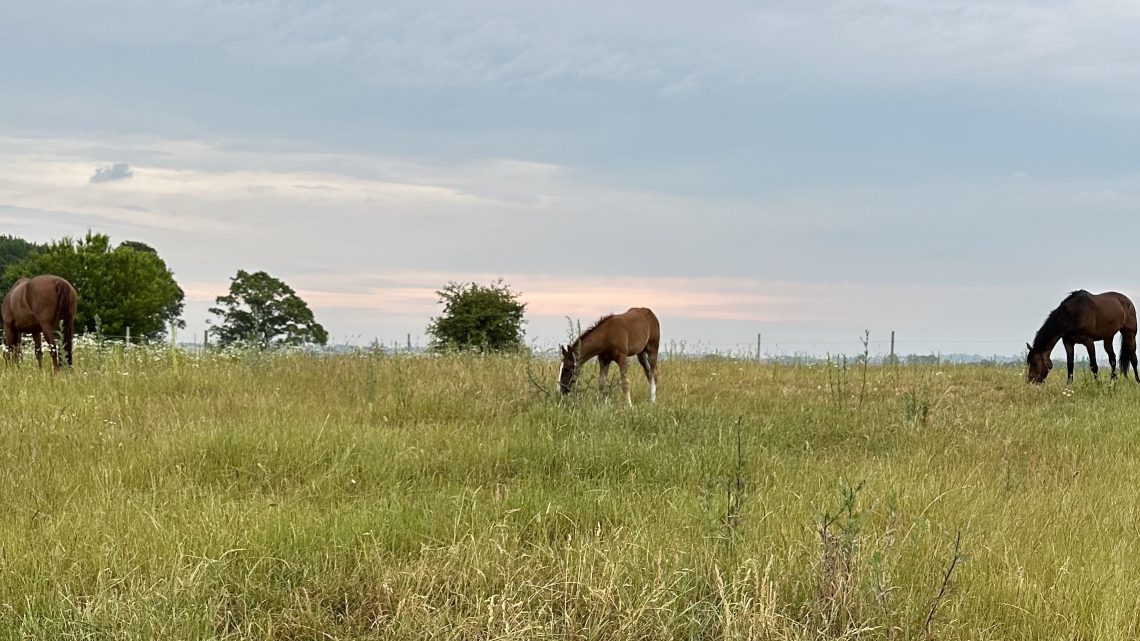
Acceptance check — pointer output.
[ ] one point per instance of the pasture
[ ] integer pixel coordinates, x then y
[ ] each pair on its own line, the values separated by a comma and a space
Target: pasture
151, 494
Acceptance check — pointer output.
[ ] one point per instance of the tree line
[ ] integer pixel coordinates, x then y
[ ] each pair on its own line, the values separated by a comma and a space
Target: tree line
129, 289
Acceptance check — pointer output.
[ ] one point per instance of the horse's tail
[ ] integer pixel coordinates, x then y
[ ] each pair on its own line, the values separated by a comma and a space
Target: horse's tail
1128, 340
66, 307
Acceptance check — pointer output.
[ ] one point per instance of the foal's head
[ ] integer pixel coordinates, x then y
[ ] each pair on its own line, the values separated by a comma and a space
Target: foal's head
569, 370
1038, 364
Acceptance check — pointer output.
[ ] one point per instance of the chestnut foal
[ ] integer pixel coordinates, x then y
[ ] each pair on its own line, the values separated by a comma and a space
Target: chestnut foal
613, 339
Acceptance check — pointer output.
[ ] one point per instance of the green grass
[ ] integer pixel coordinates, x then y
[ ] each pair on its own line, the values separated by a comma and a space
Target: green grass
149, 495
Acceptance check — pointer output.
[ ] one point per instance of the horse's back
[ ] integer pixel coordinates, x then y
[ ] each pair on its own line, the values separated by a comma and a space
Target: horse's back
1100, 315
31, 300
48, 291
643, 327
14, 308
1124, 301
1128, 309
651, 320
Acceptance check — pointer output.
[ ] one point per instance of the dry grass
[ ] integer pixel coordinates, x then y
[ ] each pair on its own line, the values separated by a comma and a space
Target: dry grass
152, 495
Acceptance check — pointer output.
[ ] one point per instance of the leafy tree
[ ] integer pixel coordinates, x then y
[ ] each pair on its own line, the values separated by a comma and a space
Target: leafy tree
262, 310
14, 250
119, 287
137, 246
484, 318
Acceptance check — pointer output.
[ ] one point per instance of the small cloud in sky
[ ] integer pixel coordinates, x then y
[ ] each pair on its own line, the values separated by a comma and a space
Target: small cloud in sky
108, 173
682, 87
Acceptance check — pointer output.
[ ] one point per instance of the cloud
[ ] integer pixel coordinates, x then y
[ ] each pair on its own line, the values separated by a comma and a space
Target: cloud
368, 238
310, 210
707, 313
415, 43
109, 173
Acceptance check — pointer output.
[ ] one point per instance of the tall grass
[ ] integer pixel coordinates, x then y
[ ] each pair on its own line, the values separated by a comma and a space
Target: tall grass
151, 494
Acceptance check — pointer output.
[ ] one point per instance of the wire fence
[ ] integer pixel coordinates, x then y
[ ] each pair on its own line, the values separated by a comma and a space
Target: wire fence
764, 349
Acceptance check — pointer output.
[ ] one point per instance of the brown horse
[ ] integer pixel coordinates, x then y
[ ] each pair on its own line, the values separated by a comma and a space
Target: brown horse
613, 339
1083, 318
36, 306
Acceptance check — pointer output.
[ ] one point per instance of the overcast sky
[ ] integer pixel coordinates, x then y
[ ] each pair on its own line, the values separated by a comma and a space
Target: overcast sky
945, 169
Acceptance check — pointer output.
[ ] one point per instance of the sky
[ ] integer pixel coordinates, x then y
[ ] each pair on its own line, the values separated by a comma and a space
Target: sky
806, 171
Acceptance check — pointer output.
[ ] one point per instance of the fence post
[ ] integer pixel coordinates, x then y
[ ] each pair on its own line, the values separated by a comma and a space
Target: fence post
759, 359
892, 347
409, 342
206, 338
128, 337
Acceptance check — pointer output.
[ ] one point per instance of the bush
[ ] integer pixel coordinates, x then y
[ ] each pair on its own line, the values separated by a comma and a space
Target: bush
475, 317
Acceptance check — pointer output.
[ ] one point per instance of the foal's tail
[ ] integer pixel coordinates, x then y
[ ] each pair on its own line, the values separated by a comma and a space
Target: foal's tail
66, 306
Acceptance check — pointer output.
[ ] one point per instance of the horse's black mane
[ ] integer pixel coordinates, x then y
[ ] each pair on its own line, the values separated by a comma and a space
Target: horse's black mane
1054, 322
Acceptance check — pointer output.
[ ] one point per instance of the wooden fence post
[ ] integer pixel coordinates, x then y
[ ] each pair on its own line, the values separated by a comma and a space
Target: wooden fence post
128, 336
892, 347
759, 358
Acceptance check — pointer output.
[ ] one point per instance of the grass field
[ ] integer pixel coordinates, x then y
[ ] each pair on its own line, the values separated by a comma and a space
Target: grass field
151, 495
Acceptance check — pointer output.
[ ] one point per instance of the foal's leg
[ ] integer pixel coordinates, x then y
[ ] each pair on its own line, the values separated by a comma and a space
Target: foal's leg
603, 371
653, 368
11, 339
1069, 357
1111, 356
1092, 359
650, 375
17, 339
49, 334
39, 348
623, 366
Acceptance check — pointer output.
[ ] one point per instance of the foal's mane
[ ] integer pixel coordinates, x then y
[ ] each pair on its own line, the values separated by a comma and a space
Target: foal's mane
591, 328
1055, 318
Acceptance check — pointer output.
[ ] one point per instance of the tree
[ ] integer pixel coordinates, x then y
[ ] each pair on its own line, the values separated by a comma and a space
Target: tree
137, 246
263, 311
14, 250
475, 317
119, 287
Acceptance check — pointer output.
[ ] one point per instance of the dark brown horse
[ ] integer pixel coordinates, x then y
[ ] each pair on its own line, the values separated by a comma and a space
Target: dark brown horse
36, 306
1083, 318
613, 339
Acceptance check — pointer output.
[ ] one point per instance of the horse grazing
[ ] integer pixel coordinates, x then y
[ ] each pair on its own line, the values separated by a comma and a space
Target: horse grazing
613, 339
36, 306
1083, 318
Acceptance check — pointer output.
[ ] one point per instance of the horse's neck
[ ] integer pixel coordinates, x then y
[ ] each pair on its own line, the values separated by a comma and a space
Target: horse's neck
1048, 336
588, 346
1046, 344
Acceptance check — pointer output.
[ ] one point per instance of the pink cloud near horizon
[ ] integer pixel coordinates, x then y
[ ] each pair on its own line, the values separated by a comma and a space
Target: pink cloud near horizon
414, 293
722, 312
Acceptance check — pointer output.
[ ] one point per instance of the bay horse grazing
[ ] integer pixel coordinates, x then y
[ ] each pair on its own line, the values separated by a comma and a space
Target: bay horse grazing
1083, 318
613, 339
35, 306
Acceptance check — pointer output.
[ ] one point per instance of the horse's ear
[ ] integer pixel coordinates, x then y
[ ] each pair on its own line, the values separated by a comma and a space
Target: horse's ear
1029, 347
562, 349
